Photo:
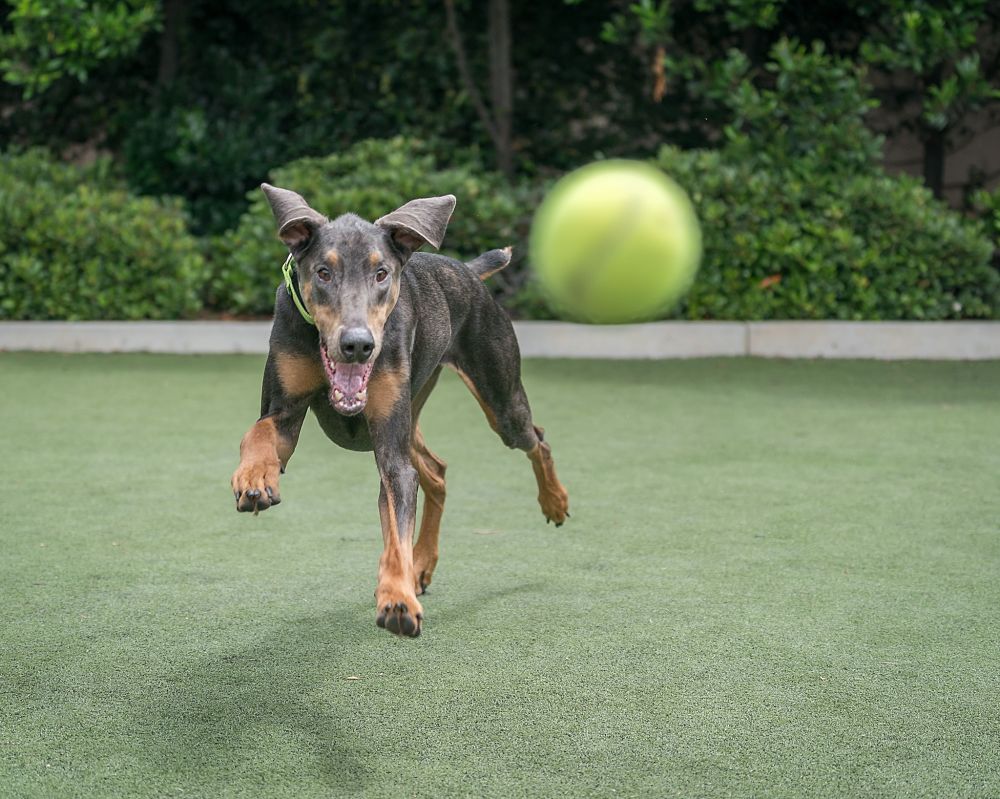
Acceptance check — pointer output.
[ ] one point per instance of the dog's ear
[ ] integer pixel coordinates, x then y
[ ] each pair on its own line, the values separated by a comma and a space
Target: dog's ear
419, 222
297, 222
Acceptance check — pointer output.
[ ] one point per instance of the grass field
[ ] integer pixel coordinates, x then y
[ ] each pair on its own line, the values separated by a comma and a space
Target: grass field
780, 579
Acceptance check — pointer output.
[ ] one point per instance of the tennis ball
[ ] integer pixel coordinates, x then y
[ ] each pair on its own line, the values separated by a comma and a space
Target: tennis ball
615, 241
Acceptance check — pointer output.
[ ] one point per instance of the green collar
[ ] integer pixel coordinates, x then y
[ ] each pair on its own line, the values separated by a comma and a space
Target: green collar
288, 270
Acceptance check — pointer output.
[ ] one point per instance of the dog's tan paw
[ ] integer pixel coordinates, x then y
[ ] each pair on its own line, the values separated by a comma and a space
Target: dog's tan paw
255, 485
423, 570
554, 501
398, 611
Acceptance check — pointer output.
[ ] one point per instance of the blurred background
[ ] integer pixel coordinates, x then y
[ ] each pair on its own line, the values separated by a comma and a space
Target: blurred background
844, 157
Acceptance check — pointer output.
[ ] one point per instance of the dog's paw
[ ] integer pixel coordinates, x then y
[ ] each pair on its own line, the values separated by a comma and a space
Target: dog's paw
554, 501
398, 612
423, 570
421, 580
255, 485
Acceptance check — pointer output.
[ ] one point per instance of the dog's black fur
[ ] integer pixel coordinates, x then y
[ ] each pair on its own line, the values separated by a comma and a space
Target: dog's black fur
401, 325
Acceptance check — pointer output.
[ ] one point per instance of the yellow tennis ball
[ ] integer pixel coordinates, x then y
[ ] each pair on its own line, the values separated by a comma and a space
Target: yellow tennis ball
615, 241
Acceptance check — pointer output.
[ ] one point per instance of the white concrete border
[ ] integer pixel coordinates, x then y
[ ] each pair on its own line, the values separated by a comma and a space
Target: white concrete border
652, 340
888, 341
201, 338
867, 340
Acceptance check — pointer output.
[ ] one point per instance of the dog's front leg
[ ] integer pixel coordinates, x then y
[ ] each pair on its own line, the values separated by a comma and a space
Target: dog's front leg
269, 443
396, 602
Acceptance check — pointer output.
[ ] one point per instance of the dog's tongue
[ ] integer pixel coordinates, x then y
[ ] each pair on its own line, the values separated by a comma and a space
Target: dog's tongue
348, 384
350, 378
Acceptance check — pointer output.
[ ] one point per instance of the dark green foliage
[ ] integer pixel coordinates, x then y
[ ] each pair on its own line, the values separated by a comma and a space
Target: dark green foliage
810, 112
945, 44
370, 179
799, 220
318, 78
73, 245
210, 150
260, 84
48, 40
987, 207
869, 247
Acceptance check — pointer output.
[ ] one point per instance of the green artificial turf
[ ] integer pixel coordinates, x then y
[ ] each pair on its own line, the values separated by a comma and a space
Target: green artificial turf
780, 579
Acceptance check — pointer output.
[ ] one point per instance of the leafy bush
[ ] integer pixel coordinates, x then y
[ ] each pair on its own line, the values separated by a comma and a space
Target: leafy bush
799, 222
209, 151
785, 244
811, 115
37, 166
75, 246
370, 179
986, 206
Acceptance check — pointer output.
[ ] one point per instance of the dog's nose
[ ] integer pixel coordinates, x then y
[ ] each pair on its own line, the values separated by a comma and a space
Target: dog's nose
356, 344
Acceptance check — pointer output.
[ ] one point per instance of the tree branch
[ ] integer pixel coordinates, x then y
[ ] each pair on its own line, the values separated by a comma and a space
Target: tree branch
463, 70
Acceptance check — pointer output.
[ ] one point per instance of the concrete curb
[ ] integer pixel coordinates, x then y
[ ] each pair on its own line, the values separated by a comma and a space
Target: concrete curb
865, 340
887, 341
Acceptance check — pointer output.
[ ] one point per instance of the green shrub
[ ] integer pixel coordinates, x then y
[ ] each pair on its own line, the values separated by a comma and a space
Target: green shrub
209, 152
37, 166
986, 206
809, 116
784, 244
74, 246
800, 222
370, 179
781, 242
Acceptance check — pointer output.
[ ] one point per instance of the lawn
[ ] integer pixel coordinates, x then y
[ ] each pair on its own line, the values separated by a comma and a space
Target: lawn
780, 579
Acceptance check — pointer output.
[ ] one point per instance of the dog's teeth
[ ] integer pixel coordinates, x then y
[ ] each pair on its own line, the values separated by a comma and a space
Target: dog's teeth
338, 394
363, 396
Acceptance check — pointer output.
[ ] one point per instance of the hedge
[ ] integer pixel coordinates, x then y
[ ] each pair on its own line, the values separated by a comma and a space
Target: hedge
74, 245
795, 240
784, 244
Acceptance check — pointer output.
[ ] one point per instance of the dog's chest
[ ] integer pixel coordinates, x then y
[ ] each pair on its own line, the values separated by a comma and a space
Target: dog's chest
349, 432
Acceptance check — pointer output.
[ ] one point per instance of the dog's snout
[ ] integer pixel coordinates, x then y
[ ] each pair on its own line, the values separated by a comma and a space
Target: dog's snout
356, 344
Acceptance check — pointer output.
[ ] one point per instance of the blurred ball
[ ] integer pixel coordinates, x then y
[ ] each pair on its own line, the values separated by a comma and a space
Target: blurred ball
615, 241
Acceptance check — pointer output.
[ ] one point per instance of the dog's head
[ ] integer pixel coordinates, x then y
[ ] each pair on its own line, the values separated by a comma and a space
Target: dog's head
349, 273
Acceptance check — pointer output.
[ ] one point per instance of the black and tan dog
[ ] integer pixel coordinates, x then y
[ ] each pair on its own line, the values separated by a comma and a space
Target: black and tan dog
360, 334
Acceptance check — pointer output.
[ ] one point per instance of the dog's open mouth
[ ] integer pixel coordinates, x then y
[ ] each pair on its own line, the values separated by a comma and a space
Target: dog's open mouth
348, 384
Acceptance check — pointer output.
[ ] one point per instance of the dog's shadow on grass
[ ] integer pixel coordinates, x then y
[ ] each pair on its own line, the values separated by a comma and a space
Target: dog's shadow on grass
260, 714
251, 715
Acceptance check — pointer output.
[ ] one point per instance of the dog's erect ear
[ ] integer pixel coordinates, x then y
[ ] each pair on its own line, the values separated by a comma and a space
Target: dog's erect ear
419, 222
296, 220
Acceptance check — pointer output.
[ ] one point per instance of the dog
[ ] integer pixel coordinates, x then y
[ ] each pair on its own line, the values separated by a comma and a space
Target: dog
362, 327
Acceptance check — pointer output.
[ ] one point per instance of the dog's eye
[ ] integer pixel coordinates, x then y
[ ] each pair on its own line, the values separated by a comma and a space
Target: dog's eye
323, 274
381, 275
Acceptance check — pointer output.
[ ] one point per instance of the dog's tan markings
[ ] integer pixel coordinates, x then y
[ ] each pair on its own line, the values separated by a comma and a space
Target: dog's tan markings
327, 320
378, 315
552, 496
374, 257
260, 441
384, 390
299, 374
262, 453
490, 416
332, 257
396, 605
430, 472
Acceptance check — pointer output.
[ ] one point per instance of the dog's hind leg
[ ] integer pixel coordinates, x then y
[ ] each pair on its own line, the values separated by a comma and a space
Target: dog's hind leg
430, 474
490, 366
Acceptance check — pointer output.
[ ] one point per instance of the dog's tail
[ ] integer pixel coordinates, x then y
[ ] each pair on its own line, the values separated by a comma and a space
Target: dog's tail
489, 263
